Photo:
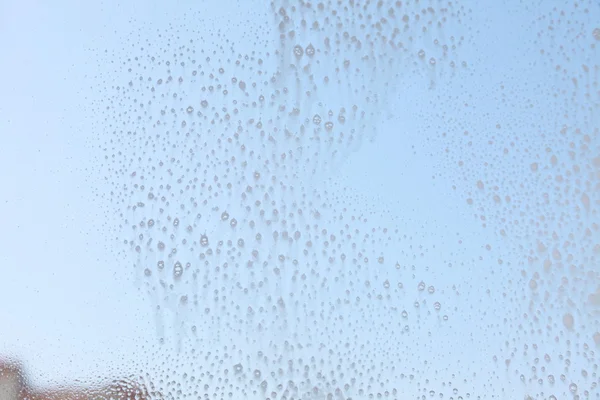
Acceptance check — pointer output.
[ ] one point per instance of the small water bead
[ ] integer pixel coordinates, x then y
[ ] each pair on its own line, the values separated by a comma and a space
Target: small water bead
233, 222
224, 216
573, 388
190, 109
421, 53
161, 246
298, 51
329, 126
310, 50
150, 223
431, 289
204, 103
147, 272
533, 284
317, 119
204, 240
404, 314
257, 373
437, 306
177, 269
176, 222
237, 368
240, 242
386, 284
421, 286
432, 61
160, 264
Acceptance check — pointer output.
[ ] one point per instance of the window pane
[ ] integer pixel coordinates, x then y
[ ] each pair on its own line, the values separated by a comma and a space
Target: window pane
291, 200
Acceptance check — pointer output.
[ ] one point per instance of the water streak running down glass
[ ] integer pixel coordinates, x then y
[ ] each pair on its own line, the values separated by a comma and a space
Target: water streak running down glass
285, 199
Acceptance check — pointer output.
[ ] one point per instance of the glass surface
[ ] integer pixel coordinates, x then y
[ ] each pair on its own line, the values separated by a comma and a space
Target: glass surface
300, 200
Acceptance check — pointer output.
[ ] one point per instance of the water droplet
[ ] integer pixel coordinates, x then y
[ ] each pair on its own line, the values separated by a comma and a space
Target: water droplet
204, 240
298, 51
573, 388
310, 50
177, 269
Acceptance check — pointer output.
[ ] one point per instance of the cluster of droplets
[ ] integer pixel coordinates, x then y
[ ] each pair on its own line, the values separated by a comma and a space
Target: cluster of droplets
219, 176
533, 175
223, 169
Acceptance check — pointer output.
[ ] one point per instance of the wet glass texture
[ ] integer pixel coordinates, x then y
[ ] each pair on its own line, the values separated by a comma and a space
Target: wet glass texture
291, 199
